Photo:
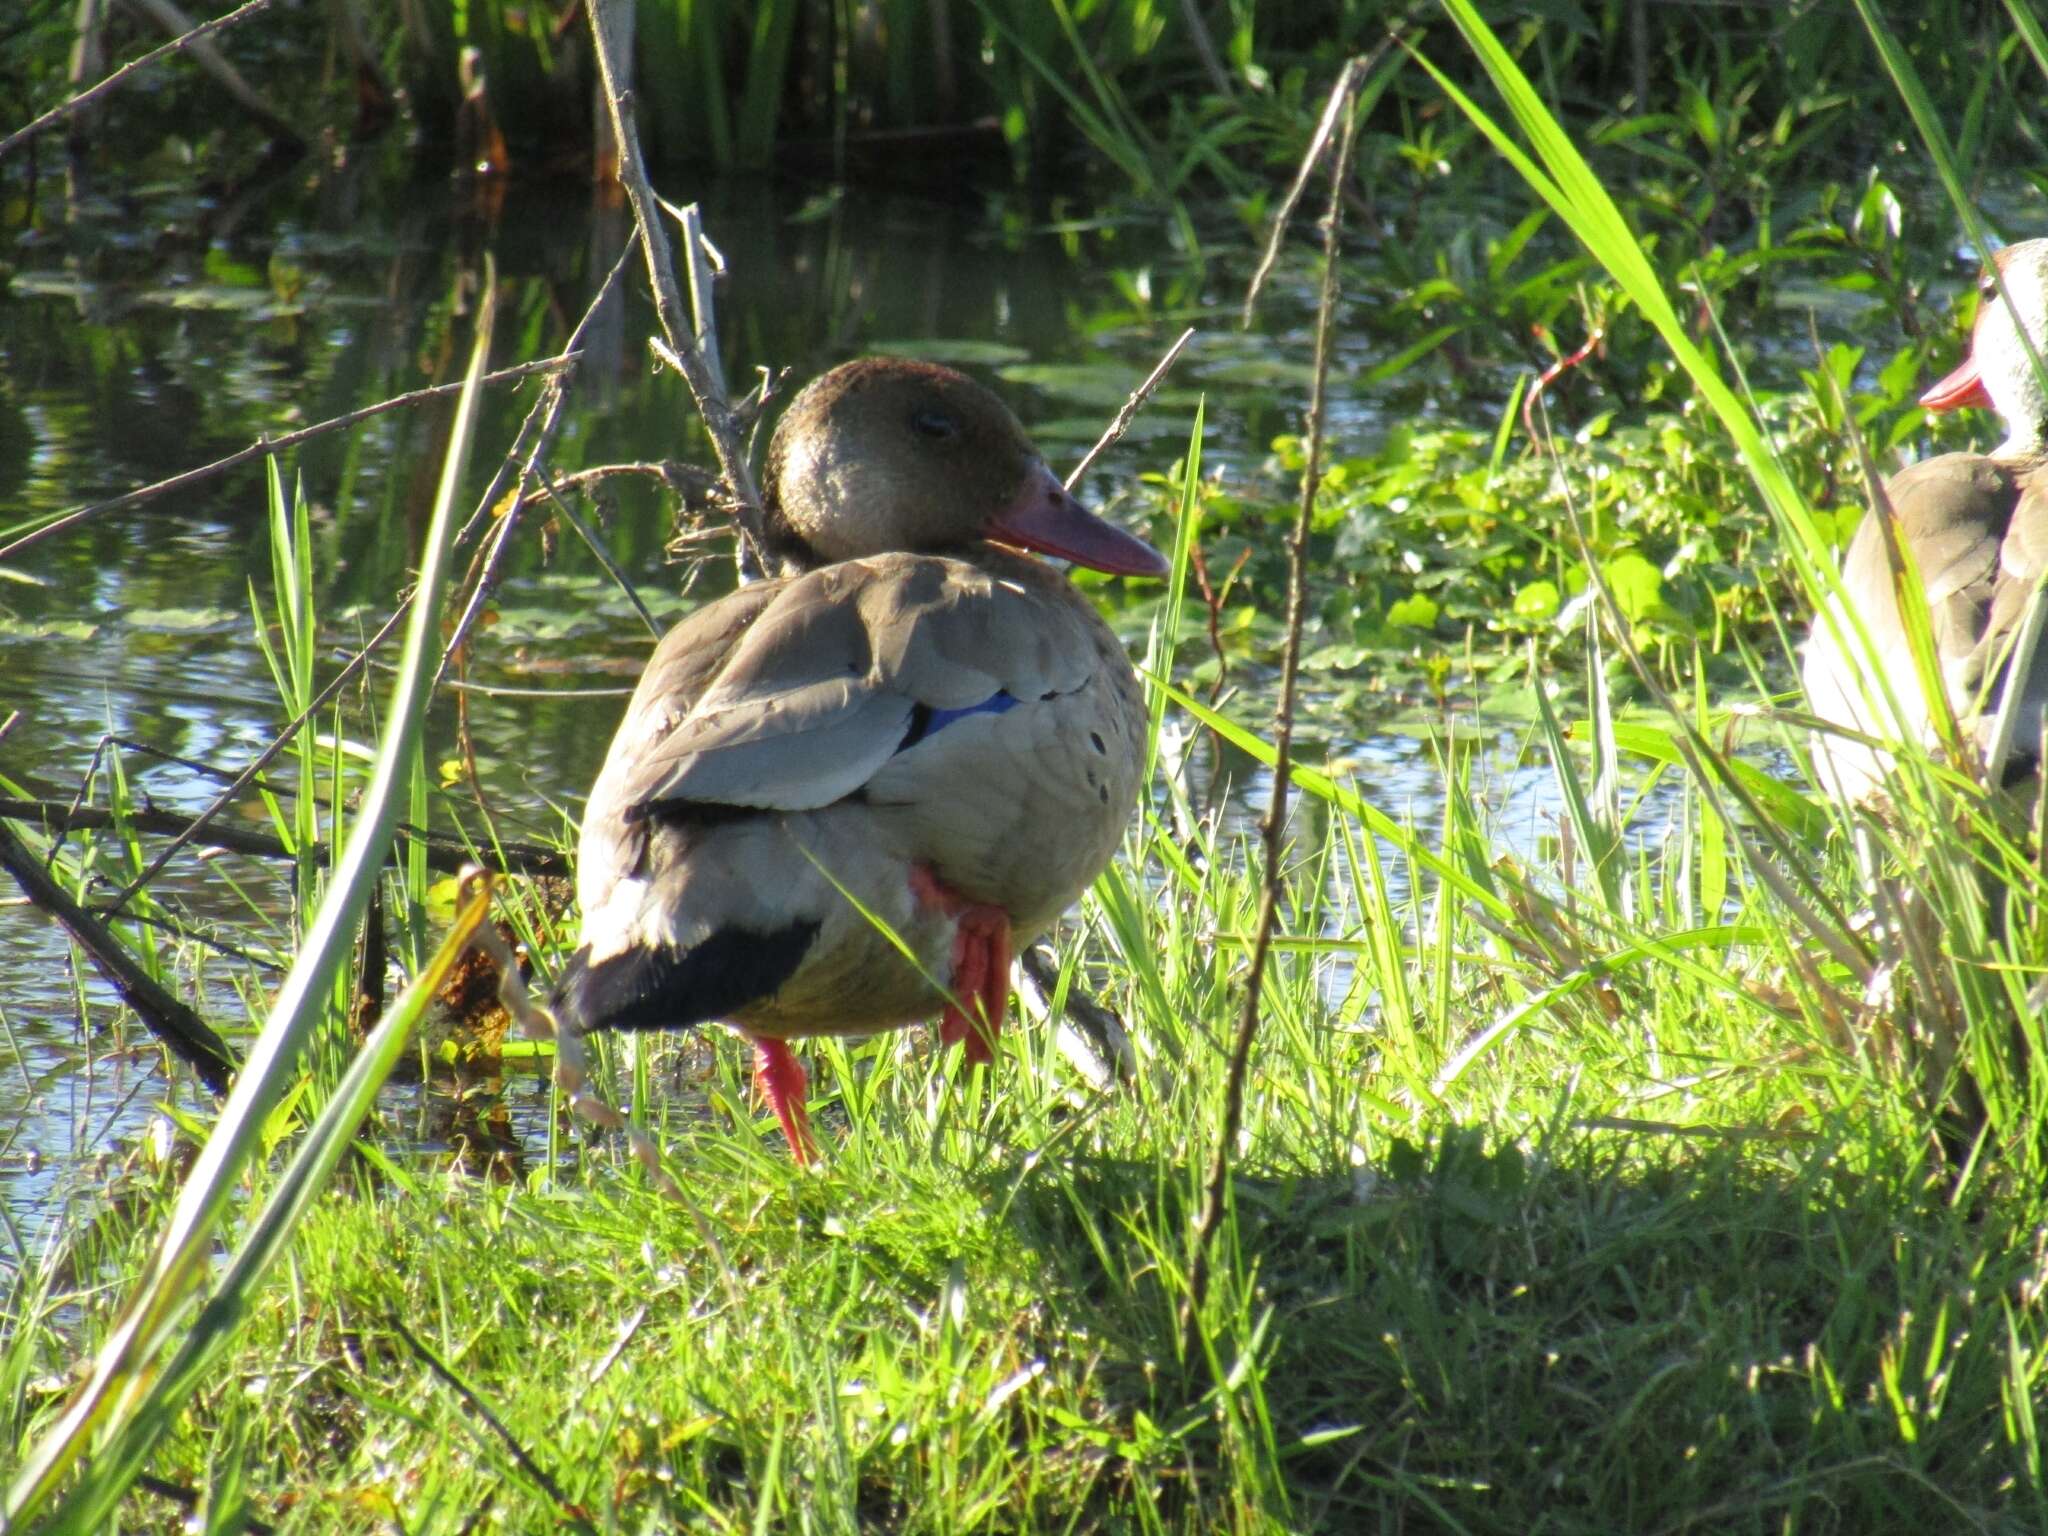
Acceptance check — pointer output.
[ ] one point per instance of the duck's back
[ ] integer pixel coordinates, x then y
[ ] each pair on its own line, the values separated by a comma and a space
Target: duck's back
1976, 526
973, 717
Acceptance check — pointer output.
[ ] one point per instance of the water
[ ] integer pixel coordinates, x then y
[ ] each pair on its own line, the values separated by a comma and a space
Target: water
152, 332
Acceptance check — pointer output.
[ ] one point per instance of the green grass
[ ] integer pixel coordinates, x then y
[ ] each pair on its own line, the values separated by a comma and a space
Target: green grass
1661, 1257
1633, 1177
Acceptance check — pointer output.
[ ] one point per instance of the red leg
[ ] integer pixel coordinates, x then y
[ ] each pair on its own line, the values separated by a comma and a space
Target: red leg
981, 967
981, 980
780, 1077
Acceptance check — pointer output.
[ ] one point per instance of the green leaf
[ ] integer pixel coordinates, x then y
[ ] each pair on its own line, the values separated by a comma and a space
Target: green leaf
1415, 611
1637, 584
1537, 602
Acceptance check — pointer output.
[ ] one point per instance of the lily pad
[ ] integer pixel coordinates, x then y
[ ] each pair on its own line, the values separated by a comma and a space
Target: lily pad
959, 351
1537, 602
45, 629
183, 621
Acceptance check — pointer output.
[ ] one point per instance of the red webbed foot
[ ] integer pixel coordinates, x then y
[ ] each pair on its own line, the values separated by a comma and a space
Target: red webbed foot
779, 1077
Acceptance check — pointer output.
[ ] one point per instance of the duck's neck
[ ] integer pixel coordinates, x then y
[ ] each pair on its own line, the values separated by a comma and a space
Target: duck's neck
2024, 440
2020, 394
787, 552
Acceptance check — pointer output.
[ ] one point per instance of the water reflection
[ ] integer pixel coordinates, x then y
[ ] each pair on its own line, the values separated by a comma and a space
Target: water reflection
131, 356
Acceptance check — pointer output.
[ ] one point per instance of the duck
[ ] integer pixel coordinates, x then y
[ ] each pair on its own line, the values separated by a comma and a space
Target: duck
1976, 526
843, 797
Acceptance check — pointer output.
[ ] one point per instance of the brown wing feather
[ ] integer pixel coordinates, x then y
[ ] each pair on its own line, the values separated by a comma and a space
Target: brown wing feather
1952, 515
818, 692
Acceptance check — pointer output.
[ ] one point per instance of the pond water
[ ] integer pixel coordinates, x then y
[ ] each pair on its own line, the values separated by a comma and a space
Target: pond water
152, 330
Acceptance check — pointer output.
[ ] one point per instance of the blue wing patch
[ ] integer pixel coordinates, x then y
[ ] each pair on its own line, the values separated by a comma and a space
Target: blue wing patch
926, 721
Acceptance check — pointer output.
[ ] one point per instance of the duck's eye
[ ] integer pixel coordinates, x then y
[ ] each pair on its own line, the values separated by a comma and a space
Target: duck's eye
935, 424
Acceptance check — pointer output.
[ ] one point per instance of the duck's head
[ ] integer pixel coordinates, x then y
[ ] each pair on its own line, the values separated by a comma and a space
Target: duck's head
885, 454
1998, 373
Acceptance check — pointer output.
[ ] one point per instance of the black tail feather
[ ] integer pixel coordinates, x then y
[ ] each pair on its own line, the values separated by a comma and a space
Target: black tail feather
661, 988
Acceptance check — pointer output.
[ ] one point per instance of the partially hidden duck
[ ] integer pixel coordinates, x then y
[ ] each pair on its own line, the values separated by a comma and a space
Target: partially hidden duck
1976, 525
915, 719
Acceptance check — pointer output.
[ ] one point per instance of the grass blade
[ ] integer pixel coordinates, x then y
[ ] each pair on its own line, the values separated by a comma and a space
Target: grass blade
127, 1361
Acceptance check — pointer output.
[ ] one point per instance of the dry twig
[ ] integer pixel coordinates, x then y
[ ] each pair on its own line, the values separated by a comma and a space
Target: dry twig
539, 428
676, 326
1122, 424
444, 854
184, 478
126, 72
1216, 1185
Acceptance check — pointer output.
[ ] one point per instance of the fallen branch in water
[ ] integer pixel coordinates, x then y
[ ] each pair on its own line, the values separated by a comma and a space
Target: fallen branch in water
188, 1037
444, 854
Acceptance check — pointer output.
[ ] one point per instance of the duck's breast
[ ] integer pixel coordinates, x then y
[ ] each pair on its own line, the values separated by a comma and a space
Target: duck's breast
1020, 801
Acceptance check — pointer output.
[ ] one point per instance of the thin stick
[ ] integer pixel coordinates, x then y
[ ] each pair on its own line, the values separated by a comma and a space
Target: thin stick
539, 427
261, 760
444, 854
1348, 85
683, 479
1131, 407
1211, 1217
698, 259
190, 1038
705, 388
604, 556
256, 450
1284, 215
213, 62
120, 77
542, 1478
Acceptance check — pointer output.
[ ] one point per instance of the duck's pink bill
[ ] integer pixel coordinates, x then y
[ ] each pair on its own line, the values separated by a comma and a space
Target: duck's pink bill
1048, 520
1958, 390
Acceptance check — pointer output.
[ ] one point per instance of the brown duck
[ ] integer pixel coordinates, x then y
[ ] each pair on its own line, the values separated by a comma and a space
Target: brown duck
915, 724
1976, 525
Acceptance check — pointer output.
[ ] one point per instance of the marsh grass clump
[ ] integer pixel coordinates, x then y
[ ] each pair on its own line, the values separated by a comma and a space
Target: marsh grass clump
1655, 1246
1675, 1165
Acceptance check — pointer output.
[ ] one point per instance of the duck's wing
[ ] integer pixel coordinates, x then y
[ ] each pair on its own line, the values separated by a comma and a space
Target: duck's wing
2022, 563
1952, 513
836, 674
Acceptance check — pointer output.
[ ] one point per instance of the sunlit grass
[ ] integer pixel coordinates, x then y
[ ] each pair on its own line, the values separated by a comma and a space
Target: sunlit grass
1651, 1249
1634, 1180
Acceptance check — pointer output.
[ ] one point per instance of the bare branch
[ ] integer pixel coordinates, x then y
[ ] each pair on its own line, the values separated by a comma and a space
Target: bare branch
702, 379
121, 76
1131, 407
179, 482
1348, 84
445, 854
175, 1023
210, 59
1217, 1183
